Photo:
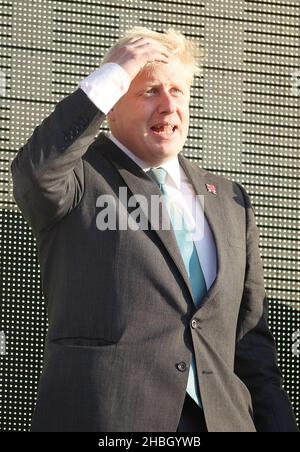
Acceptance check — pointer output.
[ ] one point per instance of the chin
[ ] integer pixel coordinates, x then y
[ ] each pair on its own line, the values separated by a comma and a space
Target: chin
169, 149
163, 154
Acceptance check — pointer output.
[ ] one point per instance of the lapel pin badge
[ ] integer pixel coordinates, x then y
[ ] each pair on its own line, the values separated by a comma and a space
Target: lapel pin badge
211, 188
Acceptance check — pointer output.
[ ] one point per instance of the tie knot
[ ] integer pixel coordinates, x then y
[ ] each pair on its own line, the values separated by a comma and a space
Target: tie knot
158, 175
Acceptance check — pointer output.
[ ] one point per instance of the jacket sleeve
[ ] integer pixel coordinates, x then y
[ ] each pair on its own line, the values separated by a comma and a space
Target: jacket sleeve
47, 172
256, 356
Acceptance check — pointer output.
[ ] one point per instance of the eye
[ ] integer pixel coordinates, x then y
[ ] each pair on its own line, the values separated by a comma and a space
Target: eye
151, 91
177, 91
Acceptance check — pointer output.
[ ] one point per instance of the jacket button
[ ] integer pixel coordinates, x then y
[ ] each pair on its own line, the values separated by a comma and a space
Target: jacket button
195, 323
181, 366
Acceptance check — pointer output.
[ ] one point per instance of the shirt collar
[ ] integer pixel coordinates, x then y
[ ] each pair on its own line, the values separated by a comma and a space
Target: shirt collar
171, 166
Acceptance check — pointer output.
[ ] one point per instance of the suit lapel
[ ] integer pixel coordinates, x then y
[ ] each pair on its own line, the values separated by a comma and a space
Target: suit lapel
140, 184
214, 214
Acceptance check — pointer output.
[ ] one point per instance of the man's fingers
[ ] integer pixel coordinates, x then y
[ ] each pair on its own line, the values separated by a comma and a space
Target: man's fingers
149, 49
143, 42
137, 52
134, 40
159, 56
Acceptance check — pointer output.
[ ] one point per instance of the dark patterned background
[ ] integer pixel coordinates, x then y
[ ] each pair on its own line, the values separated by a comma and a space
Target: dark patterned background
244, 125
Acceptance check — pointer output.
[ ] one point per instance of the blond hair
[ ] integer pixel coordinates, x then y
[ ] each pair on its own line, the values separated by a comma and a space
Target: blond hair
186, 50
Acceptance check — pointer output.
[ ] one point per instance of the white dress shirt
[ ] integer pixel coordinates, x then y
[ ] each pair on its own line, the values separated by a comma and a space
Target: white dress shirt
105, 87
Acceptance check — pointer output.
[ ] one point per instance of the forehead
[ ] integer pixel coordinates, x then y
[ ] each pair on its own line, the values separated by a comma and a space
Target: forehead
170, 73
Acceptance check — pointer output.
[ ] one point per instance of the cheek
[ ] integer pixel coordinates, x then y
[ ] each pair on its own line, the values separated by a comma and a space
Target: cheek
183, 109
134, 114
184, 116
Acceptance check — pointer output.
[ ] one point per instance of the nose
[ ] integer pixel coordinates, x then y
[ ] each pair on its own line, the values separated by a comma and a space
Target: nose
166, 103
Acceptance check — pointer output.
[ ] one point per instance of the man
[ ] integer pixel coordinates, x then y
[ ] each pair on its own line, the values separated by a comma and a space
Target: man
150, 329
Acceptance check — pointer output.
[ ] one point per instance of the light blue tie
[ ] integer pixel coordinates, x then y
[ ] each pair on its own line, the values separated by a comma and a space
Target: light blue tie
191, 261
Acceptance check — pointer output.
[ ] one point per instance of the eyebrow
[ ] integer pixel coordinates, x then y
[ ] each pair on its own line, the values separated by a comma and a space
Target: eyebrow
158, 84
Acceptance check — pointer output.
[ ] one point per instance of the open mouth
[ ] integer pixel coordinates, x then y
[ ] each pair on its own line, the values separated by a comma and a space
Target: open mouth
164, 129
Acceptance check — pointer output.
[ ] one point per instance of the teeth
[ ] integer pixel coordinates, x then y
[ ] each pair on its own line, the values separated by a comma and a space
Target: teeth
164, 129
168, 129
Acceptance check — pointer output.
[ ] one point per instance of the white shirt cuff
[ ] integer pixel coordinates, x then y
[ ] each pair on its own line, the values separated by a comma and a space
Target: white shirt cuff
105, 86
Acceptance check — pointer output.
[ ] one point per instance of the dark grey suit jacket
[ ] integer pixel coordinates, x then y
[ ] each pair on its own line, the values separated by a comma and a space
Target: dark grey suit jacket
120, 303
